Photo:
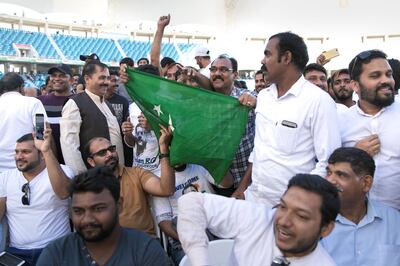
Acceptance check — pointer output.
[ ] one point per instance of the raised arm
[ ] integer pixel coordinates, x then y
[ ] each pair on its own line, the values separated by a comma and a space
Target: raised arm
58, 179
155, 51
164, 186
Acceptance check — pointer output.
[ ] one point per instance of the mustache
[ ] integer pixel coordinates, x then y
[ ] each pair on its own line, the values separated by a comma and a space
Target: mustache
218, 77
90, 225
384, 86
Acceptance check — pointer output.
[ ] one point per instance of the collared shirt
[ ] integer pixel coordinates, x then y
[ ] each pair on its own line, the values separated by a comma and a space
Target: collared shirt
240, 161
295, 133
70, 124
249, 224
17, 119
374, 241
356, 125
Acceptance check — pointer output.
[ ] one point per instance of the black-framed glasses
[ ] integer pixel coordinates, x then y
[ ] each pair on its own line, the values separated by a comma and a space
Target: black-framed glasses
222, 70
27, 194
103, 152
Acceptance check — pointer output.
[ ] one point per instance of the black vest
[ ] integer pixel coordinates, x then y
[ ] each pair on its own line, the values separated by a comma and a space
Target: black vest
94, 122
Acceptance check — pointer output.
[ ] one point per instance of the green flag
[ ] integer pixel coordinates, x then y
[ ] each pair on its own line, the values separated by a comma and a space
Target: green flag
207, 126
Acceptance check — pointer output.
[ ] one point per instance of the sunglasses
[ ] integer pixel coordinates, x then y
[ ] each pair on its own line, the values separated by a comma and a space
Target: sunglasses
103, 152
26, 197
361, 56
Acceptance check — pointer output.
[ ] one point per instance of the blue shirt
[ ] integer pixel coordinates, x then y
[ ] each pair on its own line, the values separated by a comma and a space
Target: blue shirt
374, 241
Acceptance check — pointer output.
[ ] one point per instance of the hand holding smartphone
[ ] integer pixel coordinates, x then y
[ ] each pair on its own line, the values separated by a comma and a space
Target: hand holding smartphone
39, 126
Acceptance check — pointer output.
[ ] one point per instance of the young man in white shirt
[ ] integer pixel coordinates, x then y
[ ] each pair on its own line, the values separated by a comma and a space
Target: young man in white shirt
34, 197
373, 123
289, 234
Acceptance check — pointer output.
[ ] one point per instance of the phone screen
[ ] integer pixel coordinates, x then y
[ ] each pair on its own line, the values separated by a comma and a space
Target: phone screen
10, 260
39, 125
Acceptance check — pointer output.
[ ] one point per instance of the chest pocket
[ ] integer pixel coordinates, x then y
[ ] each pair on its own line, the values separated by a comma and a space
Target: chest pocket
286, 133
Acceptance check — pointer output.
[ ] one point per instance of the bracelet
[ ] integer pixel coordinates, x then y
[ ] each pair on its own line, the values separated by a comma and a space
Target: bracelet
163, 155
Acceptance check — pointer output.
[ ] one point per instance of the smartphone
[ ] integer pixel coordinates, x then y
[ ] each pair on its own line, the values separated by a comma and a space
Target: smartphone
331, 53
8, 259
39, 126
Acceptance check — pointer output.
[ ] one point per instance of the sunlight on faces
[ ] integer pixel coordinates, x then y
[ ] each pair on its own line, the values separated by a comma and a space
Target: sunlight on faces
27, 157
297, 224
376, 83
97, 83
341, 86
351, 187
222, 78
317, 78
110, 159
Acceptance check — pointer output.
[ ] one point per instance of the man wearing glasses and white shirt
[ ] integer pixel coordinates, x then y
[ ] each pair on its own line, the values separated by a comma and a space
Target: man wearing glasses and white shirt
373, 124
34, 197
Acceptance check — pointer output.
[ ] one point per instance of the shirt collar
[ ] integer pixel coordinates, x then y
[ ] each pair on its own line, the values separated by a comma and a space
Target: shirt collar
361, 112
372, 213
94, 97
295, 90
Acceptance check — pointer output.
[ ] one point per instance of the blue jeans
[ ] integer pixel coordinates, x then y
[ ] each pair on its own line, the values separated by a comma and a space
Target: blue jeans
30, 256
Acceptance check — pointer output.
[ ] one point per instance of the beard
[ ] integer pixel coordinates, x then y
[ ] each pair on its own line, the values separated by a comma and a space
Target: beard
28, 166
375, 98
99, 231
112, 162
343, 94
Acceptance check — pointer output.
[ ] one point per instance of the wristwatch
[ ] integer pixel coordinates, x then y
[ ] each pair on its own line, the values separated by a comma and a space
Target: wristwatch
163, 155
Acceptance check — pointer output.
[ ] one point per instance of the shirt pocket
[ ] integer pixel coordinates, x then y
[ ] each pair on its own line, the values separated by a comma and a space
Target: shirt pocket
388, 255
286, 133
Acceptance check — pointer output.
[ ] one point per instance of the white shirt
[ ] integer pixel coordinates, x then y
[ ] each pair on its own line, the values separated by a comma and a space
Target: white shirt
295, 133
145, 150
356, 125
341, 108
70, 124
205, 71
17, 119
44, 220
250, 225
195, 176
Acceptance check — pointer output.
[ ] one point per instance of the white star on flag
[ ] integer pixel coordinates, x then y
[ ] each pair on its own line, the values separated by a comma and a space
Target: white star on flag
170, 123
157, 108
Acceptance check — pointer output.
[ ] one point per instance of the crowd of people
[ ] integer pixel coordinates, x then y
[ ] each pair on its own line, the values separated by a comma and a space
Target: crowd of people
315, 179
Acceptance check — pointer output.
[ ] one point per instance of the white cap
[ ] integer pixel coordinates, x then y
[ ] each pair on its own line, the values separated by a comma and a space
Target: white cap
202, 51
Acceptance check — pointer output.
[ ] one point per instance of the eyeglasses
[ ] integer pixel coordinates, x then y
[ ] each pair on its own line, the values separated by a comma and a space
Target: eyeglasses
362, 56
222, 70
103, 152
26, 197
280, 261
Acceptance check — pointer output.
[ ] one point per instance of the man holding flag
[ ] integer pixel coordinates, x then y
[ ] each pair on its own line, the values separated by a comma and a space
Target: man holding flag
198, 118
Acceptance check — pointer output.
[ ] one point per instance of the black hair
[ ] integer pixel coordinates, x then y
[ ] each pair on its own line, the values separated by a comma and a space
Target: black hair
329, 193
360, 161
26, 137
149, 69
166, 61
339, 72
96, 180
316, 67
363, 58
395, 65
114, 72
144, 58
234, 63
293, 43
11, 81
90, 68
128, 61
